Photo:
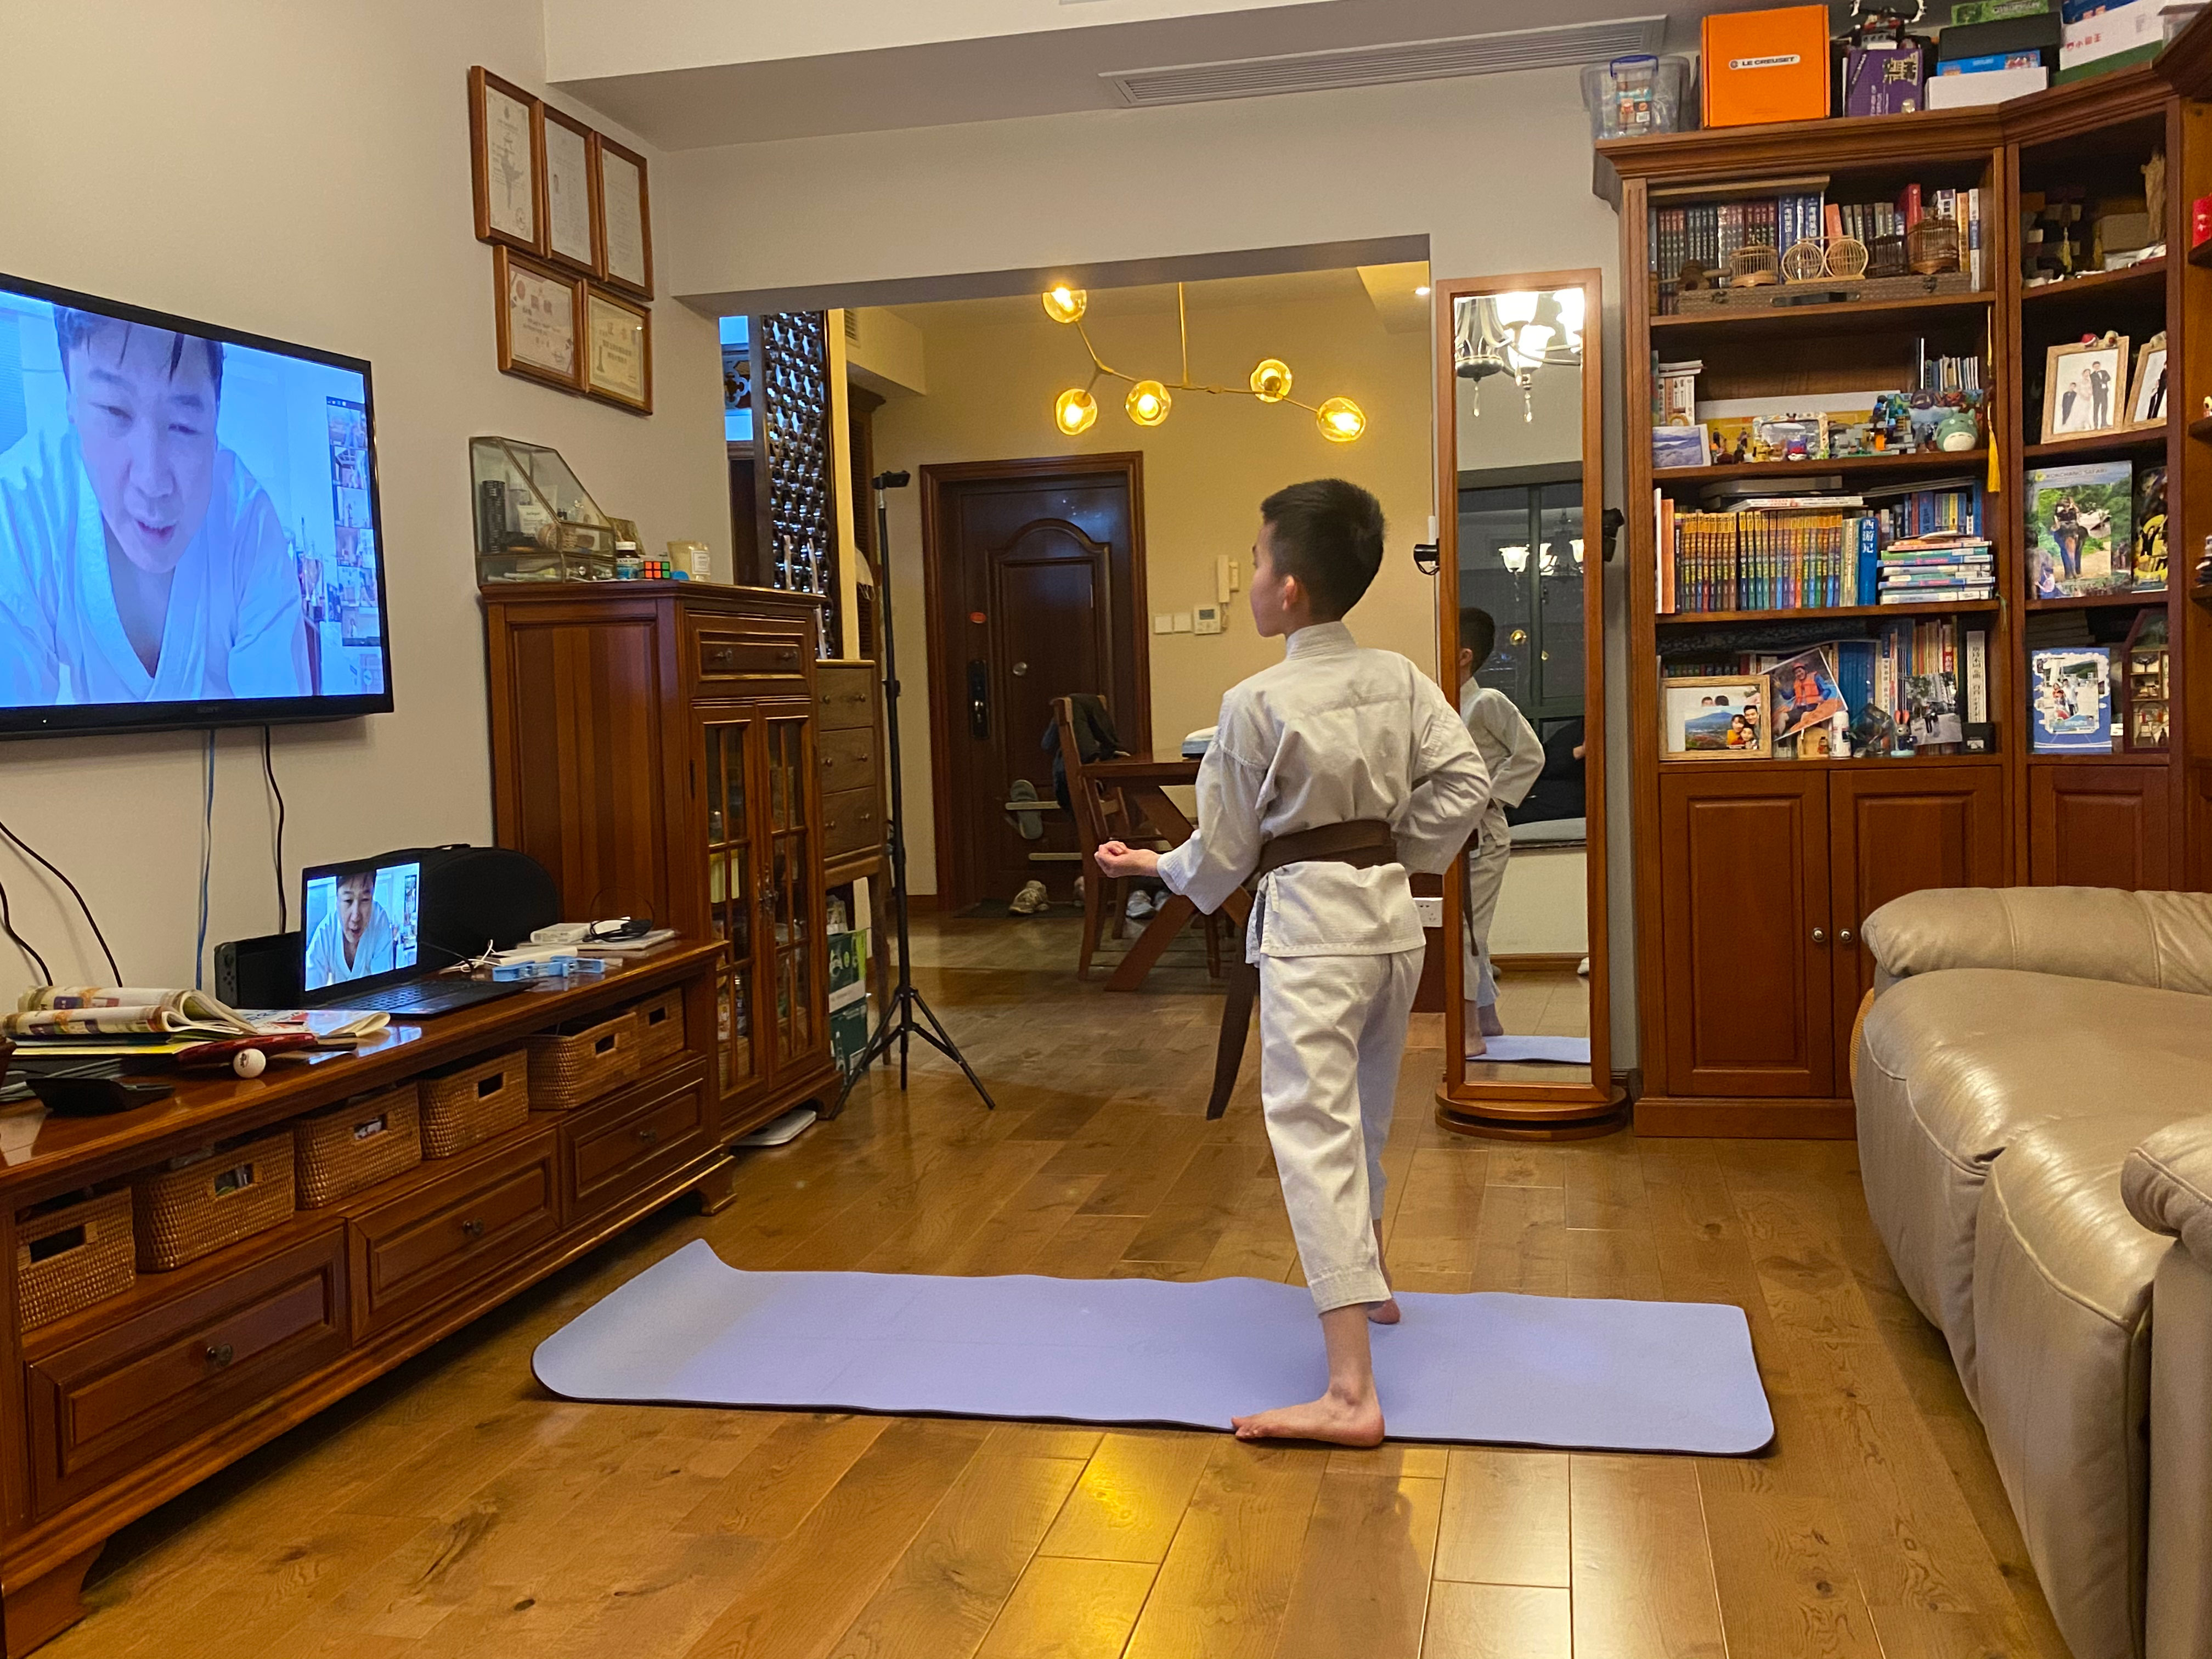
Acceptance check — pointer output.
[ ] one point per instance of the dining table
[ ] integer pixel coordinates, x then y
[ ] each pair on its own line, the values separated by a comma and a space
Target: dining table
1143, 781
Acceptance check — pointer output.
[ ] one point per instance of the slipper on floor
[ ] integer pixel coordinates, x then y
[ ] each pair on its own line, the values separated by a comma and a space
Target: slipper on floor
1030, 824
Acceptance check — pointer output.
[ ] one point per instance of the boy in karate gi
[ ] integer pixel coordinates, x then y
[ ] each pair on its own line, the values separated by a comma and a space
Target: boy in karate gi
1514, 757
1329, 776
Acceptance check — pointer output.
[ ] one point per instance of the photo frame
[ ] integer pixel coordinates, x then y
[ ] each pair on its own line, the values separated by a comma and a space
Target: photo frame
624, 216
539, 313
2146, 397
506, 145
2082, 388
1714, 719
618, 350
571, 198
1803, 692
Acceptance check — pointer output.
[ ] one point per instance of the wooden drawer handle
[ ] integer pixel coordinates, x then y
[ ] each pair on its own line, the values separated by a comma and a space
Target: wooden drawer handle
648, 1135
473, 1229
219, 1355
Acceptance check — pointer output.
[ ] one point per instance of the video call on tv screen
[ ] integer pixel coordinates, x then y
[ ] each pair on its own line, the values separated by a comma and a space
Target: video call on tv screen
188, 523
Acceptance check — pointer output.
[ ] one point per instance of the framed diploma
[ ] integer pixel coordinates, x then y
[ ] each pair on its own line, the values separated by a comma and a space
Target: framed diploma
540, 320
625, 217
571, 206
618, 350
505, 127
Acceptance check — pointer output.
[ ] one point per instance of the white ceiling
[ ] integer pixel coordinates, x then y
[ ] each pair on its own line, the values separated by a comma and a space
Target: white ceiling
688, 74
1390, 288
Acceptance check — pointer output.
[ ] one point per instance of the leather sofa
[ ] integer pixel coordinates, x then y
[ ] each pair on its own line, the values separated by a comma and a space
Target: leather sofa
2033, 1080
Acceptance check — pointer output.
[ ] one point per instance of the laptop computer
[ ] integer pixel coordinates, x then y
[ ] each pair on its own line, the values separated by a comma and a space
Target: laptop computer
361, 942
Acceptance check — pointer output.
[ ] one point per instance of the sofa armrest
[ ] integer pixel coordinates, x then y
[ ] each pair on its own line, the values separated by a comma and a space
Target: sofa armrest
2163, 941
2166, 1183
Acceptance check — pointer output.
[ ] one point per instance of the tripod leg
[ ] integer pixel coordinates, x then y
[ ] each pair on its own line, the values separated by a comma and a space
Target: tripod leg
951, 1050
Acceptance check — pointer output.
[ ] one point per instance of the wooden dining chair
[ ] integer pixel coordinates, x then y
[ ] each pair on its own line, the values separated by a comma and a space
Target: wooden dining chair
1100, 817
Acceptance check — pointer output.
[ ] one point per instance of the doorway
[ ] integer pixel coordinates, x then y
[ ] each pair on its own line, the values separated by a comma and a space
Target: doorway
1034, 576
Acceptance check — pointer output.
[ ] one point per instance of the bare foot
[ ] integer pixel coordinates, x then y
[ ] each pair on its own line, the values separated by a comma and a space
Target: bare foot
1384, 1312
1475, 1046
1333, 1419
1492, 1025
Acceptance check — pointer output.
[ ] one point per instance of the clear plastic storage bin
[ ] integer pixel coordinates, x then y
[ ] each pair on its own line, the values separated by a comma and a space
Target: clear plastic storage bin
1630, 97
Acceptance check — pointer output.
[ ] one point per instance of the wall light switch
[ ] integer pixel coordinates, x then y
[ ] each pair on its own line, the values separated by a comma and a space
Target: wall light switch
1206, 619
1224, 579
1183, 622
1163, 624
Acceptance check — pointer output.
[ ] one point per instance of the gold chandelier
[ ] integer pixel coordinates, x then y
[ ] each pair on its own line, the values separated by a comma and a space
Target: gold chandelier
1149, 401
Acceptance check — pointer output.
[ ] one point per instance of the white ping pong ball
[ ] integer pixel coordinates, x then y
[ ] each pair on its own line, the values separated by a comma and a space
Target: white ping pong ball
252, 1063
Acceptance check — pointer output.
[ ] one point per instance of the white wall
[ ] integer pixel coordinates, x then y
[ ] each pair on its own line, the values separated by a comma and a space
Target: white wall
1494, 170
302, 171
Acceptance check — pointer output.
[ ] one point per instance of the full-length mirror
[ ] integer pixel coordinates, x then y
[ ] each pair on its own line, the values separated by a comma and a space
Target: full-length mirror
1520, 625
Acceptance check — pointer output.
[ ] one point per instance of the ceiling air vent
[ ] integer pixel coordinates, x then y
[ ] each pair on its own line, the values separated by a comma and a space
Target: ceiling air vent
1407, 60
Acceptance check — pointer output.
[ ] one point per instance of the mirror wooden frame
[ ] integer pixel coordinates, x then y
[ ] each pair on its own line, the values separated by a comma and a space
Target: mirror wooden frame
1535, 1110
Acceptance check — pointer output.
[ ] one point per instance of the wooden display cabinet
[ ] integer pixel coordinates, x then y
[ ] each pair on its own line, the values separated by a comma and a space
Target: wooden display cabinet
654, 745
1754, 876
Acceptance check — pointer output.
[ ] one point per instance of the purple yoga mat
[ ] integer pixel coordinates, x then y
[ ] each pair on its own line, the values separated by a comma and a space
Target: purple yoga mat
1530, 1370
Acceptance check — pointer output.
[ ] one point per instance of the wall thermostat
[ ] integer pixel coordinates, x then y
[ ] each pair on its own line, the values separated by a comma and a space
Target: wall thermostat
1205, 619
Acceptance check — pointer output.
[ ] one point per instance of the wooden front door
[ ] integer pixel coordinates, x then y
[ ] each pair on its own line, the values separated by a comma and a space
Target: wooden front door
1896, 831
1036, 573
1744, 898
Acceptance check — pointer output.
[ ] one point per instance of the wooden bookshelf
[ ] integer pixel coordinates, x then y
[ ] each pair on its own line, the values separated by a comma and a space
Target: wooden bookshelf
1796, 851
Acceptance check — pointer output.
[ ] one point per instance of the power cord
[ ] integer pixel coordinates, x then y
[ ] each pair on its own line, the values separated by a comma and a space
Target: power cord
207, 868
55, 870
269, 767
8, 924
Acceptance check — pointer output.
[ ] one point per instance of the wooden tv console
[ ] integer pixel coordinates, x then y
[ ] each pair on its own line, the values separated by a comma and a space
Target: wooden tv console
113, 1410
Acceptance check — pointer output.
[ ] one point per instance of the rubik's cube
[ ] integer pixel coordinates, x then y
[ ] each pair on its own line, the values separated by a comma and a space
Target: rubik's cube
658, 570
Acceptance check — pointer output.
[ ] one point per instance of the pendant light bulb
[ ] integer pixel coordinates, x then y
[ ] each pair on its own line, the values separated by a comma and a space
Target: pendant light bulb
1073, 410
1064, 304
1341, 420
1149, 403
1271, 381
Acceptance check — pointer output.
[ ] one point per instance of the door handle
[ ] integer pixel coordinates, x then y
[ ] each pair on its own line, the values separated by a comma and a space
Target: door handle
1843, 936
1819, 936
979, 699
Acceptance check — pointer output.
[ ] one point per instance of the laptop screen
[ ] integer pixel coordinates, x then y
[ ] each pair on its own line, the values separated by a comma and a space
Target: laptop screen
361, 924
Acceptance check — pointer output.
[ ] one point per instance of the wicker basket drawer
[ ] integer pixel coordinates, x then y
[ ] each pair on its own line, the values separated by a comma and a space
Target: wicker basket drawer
357, 1144
108, 1402
660, 1027
573, 1063
71, 1255
621, 1146
451, 1230
464, 1105
192, 1207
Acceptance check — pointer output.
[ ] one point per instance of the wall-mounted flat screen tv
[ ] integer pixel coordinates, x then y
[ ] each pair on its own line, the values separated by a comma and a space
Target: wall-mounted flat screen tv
189, 532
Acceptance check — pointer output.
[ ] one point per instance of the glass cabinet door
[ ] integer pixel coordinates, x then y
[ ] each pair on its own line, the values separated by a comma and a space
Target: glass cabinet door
732, 895
790, 898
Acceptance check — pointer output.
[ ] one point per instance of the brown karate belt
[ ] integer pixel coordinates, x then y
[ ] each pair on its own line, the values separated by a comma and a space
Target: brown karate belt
1363, 843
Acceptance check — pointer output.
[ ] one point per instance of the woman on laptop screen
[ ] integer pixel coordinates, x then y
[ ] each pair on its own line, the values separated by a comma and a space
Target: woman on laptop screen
351, 930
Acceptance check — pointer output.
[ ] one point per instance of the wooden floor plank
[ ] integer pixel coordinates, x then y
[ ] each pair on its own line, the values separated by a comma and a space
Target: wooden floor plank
1064, 1608
1506, 1517
1643, 1565
1225, 1586
1364, 1571
1131, 1495
1498, 1621
1786, 1580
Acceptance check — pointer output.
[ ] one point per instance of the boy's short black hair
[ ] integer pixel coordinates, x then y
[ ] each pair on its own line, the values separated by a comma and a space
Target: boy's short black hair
1478, 632
1329, 534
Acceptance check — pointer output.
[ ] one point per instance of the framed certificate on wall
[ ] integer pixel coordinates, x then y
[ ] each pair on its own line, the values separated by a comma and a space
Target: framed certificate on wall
571, 204
625, 217
540, 320
506, 128
618, 350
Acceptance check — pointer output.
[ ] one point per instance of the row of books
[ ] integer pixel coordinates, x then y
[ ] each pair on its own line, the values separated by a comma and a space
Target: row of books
1931, 570
1711, 232
1794, 553
1945, 374
1907, 688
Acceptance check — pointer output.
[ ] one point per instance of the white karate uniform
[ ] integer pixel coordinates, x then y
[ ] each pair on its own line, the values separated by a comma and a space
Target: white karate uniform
377, 952
233, 627
1514, 756
1331, 734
